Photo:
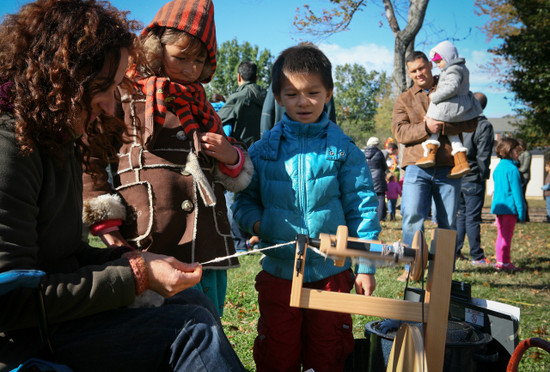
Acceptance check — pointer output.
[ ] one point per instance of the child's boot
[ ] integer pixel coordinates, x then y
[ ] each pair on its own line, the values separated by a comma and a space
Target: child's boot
461, 167
430, 150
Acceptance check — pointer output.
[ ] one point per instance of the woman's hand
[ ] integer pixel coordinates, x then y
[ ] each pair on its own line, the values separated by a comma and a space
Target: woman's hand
168, 276
217, 146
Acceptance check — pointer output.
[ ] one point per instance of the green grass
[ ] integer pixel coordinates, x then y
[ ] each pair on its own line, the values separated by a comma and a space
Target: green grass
529, 290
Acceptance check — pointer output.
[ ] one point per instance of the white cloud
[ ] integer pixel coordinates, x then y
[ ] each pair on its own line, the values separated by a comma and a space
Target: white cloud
371, 56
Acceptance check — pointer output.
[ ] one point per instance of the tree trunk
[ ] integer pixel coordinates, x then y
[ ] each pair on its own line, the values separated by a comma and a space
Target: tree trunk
404, 39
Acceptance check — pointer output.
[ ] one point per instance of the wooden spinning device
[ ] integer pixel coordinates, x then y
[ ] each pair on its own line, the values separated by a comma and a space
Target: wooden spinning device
433, 312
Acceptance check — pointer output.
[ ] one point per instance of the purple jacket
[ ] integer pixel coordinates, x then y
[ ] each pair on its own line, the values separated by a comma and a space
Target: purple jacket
394, 190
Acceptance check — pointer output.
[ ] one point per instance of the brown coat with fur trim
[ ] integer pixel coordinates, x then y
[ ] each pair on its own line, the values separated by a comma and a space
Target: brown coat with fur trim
174, 200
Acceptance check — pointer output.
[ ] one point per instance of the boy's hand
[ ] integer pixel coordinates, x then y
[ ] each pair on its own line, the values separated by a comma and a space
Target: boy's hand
365, 284
256, 228
218, 147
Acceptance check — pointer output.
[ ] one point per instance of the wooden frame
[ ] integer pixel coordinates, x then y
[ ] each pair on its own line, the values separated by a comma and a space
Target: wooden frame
433, 312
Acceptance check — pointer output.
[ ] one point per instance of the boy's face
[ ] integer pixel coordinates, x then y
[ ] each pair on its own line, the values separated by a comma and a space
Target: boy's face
303, 96
182, 67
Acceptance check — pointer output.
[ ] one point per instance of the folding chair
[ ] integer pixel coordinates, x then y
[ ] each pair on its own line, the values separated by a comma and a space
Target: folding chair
14, 279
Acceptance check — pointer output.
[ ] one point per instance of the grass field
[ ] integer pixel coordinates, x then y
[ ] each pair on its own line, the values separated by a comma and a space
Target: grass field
529, 290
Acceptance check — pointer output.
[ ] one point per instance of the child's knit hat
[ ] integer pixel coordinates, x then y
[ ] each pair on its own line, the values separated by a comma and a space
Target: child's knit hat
196, 17
446, 50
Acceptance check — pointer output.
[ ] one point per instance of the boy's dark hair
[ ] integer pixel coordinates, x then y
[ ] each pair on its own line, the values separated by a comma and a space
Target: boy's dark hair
248, 71
508, 148
416, 55
301, 59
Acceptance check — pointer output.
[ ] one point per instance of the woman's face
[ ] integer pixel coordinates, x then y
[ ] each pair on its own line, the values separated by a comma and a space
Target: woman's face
181, 66
104, 102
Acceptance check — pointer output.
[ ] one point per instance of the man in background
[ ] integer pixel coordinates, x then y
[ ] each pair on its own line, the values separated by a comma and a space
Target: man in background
243, 109
472, 191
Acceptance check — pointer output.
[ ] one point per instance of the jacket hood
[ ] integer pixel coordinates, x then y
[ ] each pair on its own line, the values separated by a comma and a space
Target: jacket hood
370, 151
446, 50
196, 17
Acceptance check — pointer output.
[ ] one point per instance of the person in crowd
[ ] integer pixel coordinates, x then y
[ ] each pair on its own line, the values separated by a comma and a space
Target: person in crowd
393, 193
241, 119
378, 168
507, 205
168, 195
391, 154
546, 189
309, 178
524, 167
218, 101
411, 127
60, 64
472, 191
243, 110
452, 102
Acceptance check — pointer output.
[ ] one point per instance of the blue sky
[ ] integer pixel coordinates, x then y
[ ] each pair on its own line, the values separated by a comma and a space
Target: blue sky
268, 24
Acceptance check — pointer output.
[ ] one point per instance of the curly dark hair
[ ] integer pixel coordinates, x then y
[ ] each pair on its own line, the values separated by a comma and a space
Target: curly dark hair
52, 51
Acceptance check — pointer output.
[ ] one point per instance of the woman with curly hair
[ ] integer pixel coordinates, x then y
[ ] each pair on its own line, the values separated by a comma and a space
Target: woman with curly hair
60, 64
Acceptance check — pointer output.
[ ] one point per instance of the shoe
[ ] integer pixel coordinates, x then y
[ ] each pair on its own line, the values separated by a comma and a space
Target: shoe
430, 150
461, 167
482, 262
461, 257
499, 266
403, 277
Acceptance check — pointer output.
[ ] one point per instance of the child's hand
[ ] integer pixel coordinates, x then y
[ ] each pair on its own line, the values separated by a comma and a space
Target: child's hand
365, 284
218, 147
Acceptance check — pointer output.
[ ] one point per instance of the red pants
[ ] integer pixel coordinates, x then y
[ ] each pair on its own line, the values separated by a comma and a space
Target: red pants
289, 337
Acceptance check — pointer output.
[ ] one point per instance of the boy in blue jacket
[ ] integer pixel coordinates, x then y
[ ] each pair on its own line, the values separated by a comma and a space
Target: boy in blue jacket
309, 178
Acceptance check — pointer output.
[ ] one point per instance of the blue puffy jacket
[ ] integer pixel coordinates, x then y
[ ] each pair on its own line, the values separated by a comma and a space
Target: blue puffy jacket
507, 196
308, 179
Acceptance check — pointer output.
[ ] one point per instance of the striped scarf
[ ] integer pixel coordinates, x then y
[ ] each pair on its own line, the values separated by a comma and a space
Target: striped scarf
187, 101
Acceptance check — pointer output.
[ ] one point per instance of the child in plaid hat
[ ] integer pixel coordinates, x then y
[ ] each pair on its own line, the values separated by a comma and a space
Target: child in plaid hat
168, 194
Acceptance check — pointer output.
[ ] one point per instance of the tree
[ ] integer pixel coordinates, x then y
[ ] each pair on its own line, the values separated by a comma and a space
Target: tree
341, 14
525, 53
230, 55
357, 94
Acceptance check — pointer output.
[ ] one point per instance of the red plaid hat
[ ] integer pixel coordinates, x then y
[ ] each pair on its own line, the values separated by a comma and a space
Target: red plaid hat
196, 17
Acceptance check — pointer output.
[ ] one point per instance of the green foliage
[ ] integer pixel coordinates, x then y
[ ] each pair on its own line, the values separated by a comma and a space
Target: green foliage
527, 290
530, 70
525, 52
230, 55
357, 95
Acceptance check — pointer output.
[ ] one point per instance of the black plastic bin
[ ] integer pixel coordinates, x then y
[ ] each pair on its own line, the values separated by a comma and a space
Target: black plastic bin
465, 348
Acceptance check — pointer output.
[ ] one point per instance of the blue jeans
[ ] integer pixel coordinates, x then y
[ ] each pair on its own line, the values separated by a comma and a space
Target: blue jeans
547, 208
392, 206
419, 185
184, 334
468, 221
